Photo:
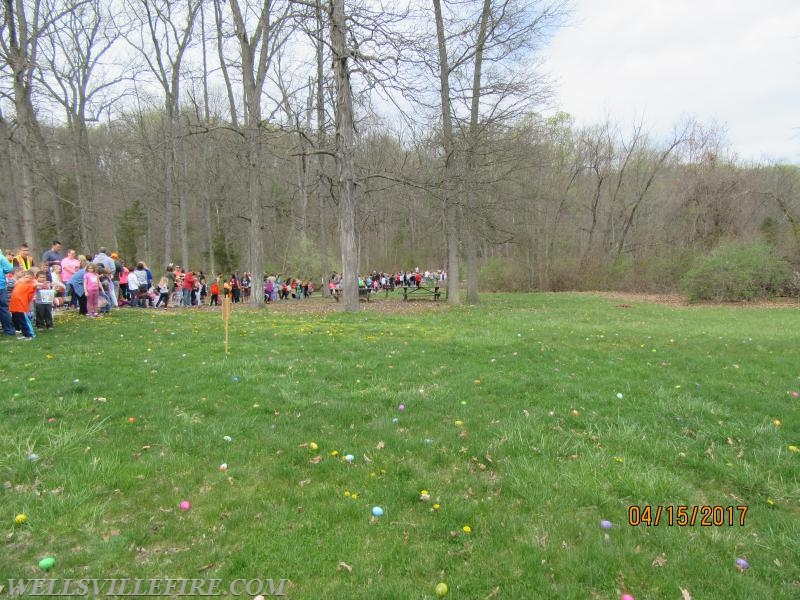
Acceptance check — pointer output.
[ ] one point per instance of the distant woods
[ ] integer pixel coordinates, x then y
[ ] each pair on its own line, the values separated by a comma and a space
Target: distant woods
309, 137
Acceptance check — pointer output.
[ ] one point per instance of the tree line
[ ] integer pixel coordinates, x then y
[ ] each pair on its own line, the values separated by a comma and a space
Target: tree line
313, 136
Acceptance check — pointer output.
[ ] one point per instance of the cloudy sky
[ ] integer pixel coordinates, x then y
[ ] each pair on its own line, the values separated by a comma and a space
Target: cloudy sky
735, 63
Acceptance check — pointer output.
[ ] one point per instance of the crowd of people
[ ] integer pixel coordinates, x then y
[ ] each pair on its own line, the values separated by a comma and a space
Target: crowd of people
95, 284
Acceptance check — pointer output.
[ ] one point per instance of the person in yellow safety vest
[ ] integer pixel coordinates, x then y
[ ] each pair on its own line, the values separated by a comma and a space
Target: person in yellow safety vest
24, 260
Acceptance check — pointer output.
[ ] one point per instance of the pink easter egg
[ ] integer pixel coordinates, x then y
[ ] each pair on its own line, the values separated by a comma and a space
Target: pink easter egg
626, 597
186, 505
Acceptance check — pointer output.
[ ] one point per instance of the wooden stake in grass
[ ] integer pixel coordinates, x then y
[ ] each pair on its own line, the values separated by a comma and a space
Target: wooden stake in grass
226, 317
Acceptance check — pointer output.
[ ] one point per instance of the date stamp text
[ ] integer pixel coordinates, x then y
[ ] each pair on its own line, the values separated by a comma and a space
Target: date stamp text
703, 515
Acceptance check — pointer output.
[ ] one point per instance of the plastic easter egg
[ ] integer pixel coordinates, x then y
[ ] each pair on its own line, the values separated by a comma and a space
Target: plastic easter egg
619, 395
227, 438
377, 511
185, 505
742, 564
442, 589
605, 524
20, 518
626, 597
349, 458
313, 446
47, 563
223, 468
33, 457
401, 407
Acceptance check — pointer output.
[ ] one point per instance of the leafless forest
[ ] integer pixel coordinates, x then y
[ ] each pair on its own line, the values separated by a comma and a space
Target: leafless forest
304, 136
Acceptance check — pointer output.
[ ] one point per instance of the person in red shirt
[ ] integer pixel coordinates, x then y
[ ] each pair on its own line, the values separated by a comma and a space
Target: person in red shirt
20, 304
188, 288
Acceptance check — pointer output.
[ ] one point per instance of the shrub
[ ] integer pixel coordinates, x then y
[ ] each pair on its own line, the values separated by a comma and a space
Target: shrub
736, 272
501, 275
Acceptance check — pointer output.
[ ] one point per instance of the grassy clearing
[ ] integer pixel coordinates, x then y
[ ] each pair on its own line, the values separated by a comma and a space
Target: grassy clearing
530, 419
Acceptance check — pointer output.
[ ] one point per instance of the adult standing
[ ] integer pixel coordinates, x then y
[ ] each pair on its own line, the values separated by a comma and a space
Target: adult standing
53, 256
188, 288
104, 260
5, 314
69, 266
24, 260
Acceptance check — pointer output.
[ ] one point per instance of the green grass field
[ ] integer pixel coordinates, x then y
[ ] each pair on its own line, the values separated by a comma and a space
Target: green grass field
529, 419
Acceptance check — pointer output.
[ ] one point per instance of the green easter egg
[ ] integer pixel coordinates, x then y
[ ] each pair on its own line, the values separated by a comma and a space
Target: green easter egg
47, 563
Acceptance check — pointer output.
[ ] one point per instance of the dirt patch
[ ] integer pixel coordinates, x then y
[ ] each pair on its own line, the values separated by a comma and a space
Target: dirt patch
626, 299
318, 305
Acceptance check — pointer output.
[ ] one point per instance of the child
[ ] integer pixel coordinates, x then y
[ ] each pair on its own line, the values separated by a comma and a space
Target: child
20, 304
91, 286
163, 292
215, 292
43, 301
58, 286
105, 301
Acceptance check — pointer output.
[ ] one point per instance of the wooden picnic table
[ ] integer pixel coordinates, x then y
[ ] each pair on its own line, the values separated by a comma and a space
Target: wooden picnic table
412, 292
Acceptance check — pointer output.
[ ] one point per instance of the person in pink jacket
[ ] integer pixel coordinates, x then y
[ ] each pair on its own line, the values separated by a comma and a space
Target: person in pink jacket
91, 286
69, 266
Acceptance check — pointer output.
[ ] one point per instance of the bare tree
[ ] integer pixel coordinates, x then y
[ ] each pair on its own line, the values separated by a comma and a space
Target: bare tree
451, 205
78, 75
260, 31
164, 37
25, 25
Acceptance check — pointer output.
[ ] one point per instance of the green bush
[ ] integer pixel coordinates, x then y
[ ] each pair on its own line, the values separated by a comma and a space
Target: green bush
736, 272
501, 275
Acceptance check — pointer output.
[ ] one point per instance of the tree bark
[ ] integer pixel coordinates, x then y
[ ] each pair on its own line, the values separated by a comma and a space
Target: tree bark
321, 195
451, 207
344, 157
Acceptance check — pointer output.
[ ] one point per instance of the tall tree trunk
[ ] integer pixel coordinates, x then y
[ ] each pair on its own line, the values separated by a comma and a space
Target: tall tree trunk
254, 191
9, 191
344, 157
321, 195
450, 202
84, 187
169, 190
471, 162
27, 212
183, 203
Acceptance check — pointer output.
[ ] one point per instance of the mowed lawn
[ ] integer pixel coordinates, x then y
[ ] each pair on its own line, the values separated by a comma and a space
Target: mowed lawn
529, 420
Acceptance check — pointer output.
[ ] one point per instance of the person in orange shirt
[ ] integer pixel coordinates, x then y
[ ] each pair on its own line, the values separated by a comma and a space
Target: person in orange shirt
215, 292
20, 304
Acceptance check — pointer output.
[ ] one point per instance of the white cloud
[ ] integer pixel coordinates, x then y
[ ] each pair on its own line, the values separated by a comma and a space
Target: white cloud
734, 63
